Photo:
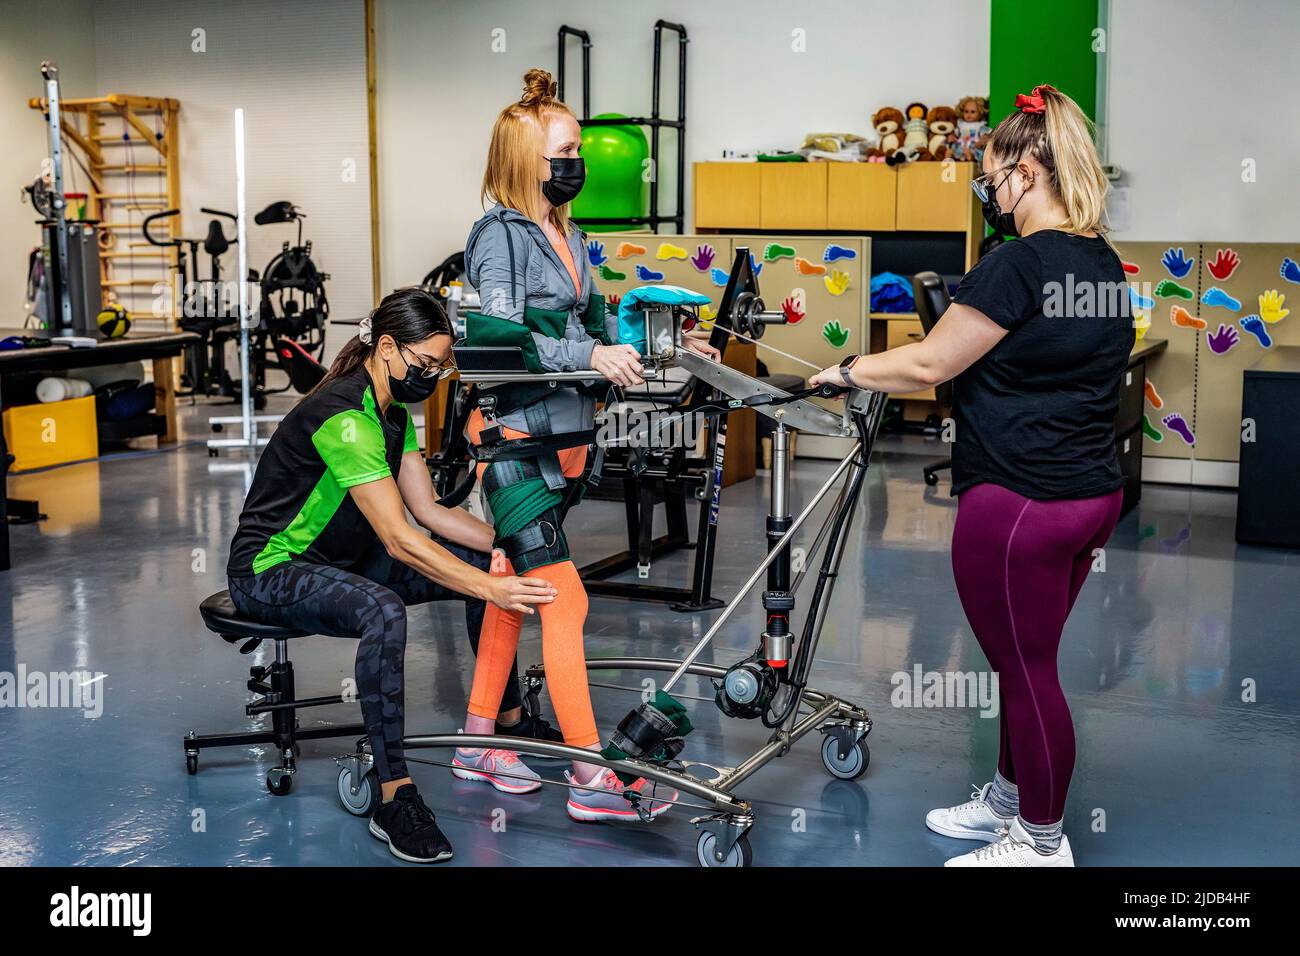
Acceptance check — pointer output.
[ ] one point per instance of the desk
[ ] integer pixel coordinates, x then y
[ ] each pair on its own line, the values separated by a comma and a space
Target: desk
161, 348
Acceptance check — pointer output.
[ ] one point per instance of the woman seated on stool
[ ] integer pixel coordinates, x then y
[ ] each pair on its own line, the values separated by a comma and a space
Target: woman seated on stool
324, 546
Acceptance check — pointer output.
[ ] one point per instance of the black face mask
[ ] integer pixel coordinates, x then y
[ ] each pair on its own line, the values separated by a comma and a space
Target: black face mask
567, 177
1003, 223
411, 388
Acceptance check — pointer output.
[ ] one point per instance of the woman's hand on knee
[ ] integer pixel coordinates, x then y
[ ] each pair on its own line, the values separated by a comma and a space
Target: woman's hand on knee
519, 594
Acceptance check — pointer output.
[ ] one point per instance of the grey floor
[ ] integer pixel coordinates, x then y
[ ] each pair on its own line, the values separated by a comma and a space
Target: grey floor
1174, 766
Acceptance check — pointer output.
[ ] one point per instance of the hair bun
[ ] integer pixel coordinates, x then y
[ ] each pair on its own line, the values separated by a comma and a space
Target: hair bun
539, 86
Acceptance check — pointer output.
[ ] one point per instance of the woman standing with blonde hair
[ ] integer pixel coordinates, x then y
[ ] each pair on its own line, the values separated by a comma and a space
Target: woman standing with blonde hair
528, 263
1034, 465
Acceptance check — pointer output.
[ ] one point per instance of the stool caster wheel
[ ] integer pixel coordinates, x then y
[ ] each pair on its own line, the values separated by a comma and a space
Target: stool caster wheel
363, 802
741, 853
852, 765
191, 764
279, 782
931, 479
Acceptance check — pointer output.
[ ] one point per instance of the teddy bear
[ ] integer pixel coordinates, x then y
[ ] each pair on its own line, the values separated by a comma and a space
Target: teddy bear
888, 124
942, 123
916, 137
972, 133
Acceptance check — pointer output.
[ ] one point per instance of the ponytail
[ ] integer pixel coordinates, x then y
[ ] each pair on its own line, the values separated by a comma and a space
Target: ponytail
408, 316
1049, 125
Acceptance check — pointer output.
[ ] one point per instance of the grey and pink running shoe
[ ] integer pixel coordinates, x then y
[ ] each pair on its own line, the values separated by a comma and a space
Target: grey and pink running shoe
605, 799
501, 768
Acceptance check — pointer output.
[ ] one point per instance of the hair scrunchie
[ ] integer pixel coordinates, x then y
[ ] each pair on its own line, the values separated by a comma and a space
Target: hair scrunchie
363, 331
1034, 102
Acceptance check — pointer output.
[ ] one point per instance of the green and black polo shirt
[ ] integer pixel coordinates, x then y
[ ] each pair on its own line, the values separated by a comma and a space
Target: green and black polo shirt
298, 506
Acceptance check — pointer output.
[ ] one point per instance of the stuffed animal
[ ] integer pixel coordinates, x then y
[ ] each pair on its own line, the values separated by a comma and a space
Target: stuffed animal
942, 121
916, 137
888, 124
972, 133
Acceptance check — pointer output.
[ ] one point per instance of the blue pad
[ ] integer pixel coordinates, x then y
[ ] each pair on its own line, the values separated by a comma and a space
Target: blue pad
631, 314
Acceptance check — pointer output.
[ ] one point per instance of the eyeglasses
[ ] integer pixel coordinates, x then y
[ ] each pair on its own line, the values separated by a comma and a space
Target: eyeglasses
429, 369
980, 184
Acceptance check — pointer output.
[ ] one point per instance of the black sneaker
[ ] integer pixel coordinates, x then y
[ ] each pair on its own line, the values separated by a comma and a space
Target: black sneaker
409, 828
532, 726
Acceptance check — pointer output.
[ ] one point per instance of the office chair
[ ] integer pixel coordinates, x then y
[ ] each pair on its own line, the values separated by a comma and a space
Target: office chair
932, 300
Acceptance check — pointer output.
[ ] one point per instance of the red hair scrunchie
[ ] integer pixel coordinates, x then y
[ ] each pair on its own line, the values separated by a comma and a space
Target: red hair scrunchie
1033, 103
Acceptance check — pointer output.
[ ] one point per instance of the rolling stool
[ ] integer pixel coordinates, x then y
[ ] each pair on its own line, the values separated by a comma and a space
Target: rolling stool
274, 682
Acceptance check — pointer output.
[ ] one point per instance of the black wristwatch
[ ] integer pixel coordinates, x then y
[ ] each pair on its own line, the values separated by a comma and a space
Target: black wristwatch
844, 370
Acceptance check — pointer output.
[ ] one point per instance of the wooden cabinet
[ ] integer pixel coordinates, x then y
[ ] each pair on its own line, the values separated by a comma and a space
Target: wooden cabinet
727, 196
860, 197
935, 197
792, 195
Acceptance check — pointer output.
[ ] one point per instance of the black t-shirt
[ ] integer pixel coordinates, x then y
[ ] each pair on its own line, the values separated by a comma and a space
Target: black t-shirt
1036, 414
299, 504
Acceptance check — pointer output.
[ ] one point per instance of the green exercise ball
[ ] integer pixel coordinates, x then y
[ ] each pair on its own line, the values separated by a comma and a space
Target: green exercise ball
616, 158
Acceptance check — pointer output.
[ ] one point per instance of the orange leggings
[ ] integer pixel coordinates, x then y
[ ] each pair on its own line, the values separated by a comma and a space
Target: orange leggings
563, 654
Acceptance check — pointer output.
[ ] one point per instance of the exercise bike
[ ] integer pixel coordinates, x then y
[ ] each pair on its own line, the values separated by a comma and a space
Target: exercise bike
770, 684
204, 306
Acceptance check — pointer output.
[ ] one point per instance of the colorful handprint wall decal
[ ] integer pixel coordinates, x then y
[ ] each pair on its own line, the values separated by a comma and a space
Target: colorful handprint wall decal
1222, 340
1223, 265
793, 308
1176, 262
596, 253
703, 257
836, 335
836, 282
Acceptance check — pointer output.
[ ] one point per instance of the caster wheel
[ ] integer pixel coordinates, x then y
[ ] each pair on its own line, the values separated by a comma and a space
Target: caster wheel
218, 427
213, 453
741, 853
191, 764
279, 783
362, 803
931, 480
854, 764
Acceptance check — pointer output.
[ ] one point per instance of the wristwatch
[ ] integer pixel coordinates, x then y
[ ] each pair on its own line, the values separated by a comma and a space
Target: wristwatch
844, 370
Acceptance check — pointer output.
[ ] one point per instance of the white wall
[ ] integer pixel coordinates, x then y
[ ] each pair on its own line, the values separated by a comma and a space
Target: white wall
64, 32
1196, 87
440, 86
298, 69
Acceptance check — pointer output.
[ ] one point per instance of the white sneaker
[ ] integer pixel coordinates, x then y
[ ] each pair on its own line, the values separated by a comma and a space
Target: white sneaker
501, 768
974, 820
1016, 848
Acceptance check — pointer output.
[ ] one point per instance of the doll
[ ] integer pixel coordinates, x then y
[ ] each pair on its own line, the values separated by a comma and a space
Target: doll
972, 133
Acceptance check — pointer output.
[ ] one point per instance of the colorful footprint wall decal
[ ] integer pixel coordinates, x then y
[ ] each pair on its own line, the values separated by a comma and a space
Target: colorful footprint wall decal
1176, 423
667, 251
648, 275
627, 250
1185, 320
1132, 268
834, 253
1290, 270
1256, 327
774, 251
609, 275
1216, 297
719, 277
1167, 289
807, 268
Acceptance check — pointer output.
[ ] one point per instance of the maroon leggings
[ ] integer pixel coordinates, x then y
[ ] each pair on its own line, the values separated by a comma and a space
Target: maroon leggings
1019, 565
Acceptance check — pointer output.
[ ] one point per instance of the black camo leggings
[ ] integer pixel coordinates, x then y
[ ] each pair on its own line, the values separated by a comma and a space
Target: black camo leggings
368, 602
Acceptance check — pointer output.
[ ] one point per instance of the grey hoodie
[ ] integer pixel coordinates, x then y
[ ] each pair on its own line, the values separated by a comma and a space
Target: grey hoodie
511, 263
